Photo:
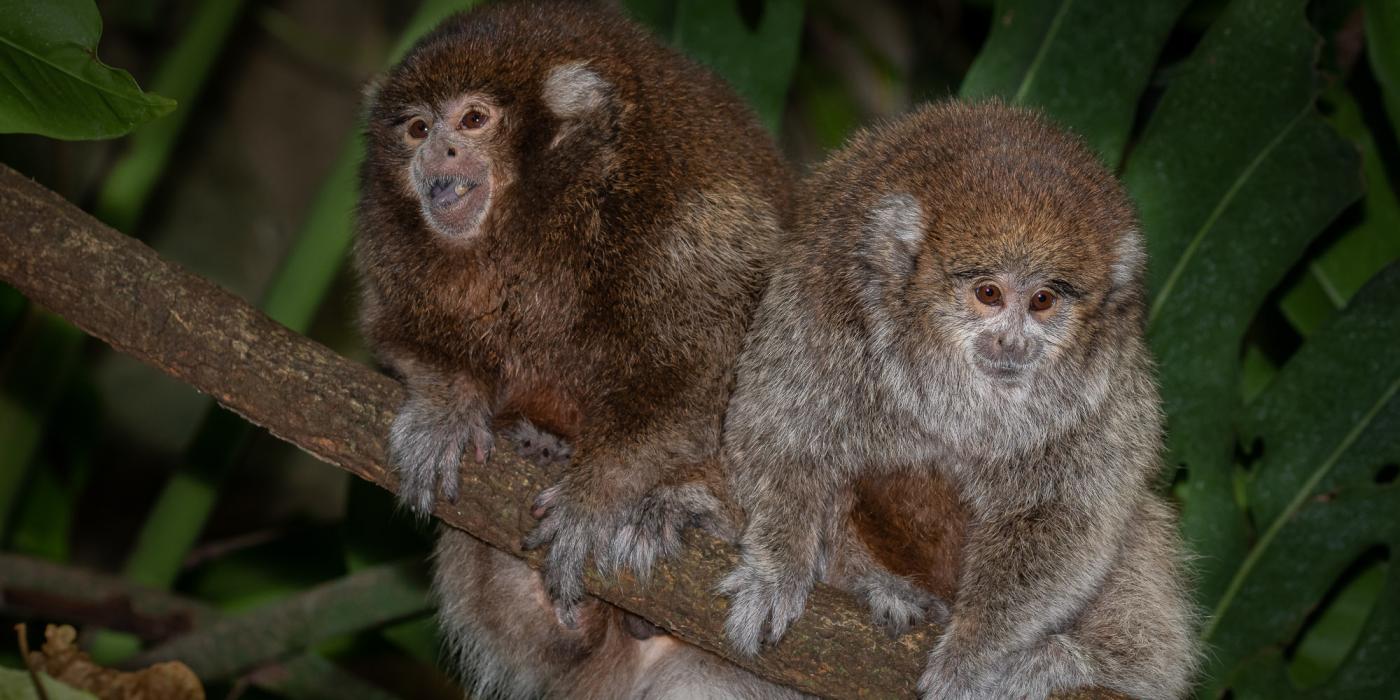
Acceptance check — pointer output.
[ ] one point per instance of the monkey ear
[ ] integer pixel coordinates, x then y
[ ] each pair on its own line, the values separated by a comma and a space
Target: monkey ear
573, 90
370, 95
1129, 259
894, 229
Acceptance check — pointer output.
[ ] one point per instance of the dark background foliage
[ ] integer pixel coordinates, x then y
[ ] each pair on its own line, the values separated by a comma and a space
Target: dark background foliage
1258, 138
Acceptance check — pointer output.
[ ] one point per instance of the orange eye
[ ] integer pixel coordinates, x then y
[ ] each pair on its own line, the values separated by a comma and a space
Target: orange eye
474, 119
989, 294
1042, 300
418, 129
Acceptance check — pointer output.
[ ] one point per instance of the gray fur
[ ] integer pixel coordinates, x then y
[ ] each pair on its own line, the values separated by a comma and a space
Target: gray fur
435, 428
1070, 569
573, 90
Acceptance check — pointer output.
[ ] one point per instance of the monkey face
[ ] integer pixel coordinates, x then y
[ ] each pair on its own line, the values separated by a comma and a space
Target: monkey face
450, 167
1013, 321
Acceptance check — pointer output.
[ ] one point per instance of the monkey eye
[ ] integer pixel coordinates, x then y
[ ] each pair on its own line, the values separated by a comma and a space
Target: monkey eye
1042, 300
989, 294
474, 119
418, 129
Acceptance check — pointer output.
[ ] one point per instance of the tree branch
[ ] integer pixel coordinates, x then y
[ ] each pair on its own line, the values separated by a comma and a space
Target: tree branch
117, 289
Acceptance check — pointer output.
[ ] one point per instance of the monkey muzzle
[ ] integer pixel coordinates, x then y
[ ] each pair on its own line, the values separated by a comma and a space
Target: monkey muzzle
1006, 356
453, 183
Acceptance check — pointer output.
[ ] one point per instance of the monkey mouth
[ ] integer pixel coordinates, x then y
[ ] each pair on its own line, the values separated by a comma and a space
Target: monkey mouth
1005, 372
445, 192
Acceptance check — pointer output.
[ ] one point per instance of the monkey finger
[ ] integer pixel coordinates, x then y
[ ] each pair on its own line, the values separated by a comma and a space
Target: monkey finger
484, 443
563, 575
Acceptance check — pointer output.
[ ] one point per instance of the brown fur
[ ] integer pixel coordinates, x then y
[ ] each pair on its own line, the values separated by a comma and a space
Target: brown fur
631, 205
913, 526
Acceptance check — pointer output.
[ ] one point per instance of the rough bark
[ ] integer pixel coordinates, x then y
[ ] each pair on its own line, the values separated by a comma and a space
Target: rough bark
119, 290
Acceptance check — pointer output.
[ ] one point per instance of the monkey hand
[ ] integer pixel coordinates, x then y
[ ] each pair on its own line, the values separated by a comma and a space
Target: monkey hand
896, 604
426, 445
765, 597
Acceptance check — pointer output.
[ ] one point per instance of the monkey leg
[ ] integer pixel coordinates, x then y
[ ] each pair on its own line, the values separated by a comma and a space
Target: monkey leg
900, 548
1021, 579
1136, 636
784, 549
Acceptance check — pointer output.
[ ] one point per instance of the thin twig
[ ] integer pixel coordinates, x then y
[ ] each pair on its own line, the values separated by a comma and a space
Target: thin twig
23, 633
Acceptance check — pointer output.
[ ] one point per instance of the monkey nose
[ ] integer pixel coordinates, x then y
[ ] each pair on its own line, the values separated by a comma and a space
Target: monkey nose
1013, 347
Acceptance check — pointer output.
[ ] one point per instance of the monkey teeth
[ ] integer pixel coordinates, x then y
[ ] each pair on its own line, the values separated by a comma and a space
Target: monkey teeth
460, 190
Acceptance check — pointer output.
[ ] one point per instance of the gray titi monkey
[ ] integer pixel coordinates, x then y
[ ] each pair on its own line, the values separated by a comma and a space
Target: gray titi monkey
963, 292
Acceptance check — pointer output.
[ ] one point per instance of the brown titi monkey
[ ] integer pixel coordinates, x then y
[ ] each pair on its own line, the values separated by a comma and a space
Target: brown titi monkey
563, 220
963, 289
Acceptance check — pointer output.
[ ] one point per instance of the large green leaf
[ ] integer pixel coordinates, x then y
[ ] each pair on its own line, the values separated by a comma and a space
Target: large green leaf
1323, 498
1383, 50
17, 684
54, 85
758, 63
1085, 62
1234, 175
1337, 272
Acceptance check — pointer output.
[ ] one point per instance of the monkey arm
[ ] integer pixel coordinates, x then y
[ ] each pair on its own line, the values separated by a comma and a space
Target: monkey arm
445, 417
792, 508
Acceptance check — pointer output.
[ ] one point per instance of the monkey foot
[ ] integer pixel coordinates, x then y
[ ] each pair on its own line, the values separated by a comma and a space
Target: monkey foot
574, 535
634, 537
652, 529
898, 605
541, 448
955, 674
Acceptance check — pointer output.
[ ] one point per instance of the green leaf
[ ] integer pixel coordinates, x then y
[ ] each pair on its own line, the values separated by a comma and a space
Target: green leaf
184, 72
1335, 274
361, 601
1320, 494
53, 83
759, 63
1085, 62
15, 684
1383, 50
1234, 175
